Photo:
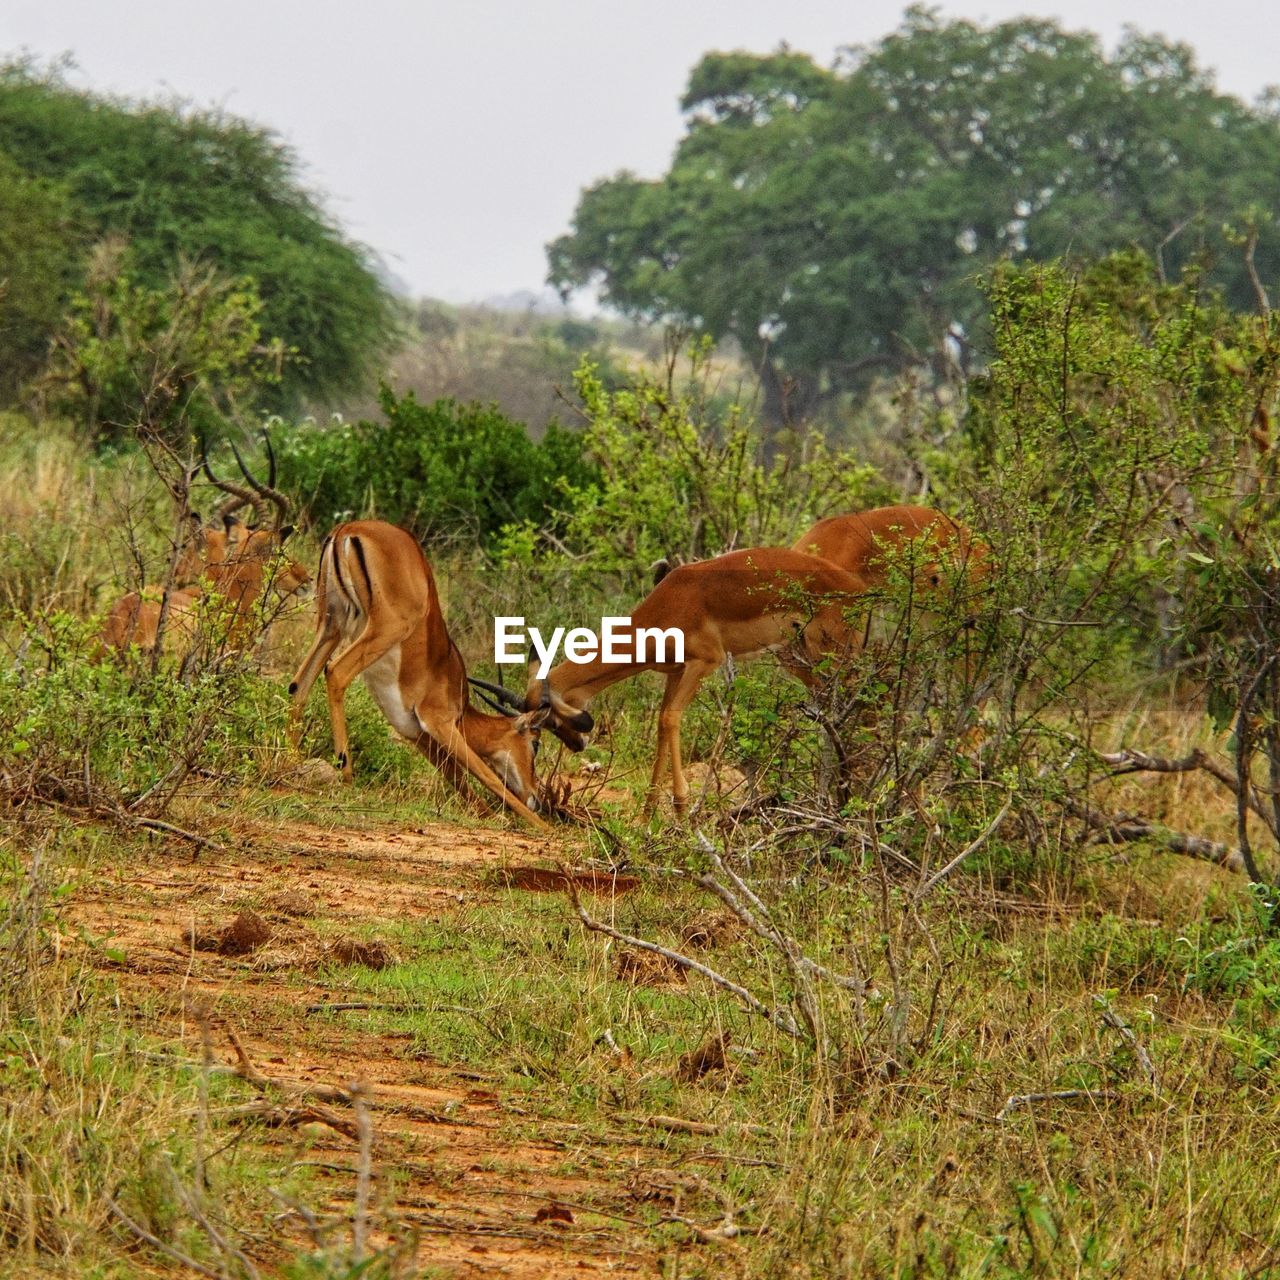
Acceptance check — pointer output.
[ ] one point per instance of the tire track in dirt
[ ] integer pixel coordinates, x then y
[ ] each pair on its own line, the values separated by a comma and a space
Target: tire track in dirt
489, 1188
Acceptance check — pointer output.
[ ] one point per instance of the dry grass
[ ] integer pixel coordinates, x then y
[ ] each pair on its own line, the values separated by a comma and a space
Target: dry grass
901, 1150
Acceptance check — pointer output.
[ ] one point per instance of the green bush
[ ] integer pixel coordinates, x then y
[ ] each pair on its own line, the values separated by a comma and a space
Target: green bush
183, 184
451, 473
106, 735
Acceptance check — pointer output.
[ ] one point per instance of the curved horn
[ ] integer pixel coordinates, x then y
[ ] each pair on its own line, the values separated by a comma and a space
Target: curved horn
266, 492
271, 459
498, 707
239, 497
503, 695
572, 716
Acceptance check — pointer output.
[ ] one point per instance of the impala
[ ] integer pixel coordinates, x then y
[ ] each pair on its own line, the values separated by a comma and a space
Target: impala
869, 543
735, 605
378, 616
940, 561
226, 558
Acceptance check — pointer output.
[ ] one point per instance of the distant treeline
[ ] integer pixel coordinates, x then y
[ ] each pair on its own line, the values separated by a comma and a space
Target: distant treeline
835, 221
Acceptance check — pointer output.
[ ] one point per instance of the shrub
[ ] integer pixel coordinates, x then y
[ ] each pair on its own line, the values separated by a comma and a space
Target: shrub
448, 472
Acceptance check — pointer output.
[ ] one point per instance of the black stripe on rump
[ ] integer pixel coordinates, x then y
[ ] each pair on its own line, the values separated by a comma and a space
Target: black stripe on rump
337, 570
364, 567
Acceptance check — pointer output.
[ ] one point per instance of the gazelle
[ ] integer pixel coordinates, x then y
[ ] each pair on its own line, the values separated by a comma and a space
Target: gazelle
225, 557
737, 604
376, 598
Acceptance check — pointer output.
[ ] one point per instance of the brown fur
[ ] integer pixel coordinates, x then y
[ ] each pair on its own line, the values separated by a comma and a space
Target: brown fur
375, 591
234, 561
745, 602
865, 542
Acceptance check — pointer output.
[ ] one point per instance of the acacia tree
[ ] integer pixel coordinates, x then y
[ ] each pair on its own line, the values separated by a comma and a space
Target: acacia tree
200, 186
833, 222
38, 244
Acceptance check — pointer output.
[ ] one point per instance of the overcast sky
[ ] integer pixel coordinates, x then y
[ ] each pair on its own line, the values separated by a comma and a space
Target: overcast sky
453, 136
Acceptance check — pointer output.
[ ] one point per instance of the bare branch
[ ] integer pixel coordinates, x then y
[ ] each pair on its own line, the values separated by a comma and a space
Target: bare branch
1017, 1100
780, 1018
1125, 1032
1123, 828
972, 847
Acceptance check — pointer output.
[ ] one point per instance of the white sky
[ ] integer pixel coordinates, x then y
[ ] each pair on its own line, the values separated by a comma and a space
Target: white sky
454, 135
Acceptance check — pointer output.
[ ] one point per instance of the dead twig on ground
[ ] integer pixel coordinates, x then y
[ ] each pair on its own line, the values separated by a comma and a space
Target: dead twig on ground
294, 1089
704, 1128
1130, 760
279, 1115
1125, 1032
1016, 1101
1123, 828
780, 1018
159, 1245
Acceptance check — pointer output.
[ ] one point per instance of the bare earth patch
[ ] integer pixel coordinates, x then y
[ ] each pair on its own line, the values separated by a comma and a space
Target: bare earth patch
489, 1188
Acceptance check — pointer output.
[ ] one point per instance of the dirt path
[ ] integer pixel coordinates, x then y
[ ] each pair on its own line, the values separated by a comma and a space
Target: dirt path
490, 1187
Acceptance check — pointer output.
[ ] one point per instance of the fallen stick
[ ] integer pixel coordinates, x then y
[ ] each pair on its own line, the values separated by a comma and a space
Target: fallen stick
279, 1114
780, 1018
156, 1243
675, 1124
1125, 1032
1125, 828
1016, 1100
294, 1088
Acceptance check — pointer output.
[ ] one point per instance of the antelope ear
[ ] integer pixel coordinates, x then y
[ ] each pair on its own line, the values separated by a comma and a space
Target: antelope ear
531, 720
194, 517
231, 523
285, 532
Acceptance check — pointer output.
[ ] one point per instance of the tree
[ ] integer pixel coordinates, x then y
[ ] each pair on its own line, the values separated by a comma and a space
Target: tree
833, 222
38, 243
1121, 454
203, 186
170, 365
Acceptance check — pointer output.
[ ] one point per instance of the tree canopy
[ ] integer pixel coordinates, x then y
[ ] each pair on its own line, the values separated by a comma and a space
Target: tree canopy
180, 185
834, 221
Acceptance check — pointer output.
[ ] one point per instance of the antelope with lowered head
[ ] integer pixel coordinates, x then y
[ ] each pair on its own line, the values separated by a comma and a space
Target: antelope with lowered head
735, 605
868, 543
379, 616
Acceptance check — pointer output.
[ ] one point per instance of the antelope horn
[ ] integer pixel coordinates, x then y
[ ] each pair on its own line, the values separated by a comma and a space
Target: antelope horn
271, 459
503, 695
582, 721
239, 497
498, 707
267, 492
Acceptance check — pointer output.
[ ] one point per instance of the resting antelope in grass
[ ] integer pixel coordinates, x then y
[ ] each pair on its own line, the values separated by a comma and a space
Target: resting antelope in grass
738, 604
226, 558
378, 616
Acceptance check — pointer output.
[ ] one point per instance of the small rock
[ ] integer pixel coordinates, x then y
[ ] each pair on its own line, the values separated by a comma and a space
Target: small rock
313, 775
